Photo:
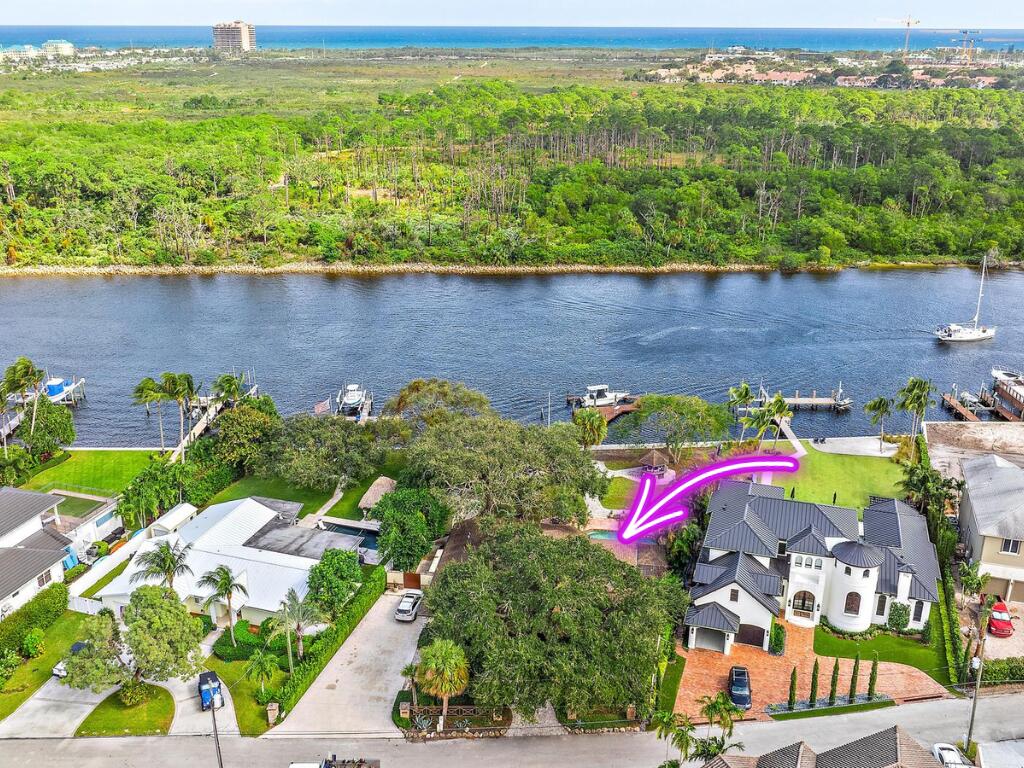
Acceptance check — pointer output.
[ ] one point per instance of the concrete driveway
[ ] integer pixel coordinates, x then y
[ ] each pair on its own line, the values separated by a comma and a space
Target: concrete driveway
355, 692
54, 710
189, 718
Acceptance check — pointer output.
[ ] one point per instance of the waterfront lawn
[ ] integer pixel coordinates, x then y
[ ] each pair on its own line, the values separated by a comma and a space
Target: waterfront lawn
825, 711
112, 718
621, 491
273, 488
347, 506
252, 718
95, 588
930, 659
31, 675
103, 472
853, 478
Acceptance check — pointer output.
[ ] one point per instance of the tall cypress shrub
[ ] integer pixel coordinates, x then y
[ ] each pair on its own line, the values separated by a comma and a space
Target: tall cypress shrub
853, 678
835, 684
873, 680
813, 700
792, 690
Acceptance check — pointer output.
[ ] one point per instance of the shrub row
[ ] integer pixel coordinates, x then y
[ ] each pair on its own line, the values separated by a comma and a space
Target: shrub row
249, 642
326, 644
1004, 670
950, 628
873, 631
41, 611
74, 572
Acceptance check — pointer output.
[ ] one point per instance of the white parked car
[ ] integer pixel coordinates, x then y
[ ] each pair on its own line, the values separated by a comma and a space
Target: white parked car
60, 670
409, 606
948, 755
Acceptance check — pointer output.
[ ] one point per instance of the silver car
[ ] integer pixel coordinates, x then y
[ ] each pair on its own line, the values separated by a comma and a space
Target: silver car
409, 606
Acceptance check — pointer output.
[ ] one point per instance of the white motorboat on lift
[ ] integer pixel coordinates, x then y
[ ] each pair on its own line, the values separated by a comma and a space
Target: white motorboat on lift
354, 401
600, 395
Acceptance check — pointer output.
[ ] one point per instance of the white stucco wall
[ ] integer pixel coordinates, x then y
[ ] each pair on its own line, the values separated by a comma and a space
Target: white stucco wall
31, 588
746, 607
840, 586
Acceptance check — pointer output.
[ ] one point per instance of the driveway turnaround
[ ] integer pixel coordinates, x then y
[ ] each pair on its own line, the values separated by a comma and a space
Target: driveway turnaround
189, 718
355, 692
54, 710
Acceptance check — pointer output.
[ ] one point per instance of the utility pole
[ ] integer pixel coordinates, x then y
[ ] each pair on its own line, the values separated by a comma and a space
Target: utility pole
977, 683
216, 735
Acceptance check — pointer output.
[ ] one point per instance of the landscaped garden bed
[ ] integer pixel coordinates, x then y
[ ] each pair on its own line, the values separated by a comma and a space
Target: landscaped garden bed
825, 710
150, 717
930, 658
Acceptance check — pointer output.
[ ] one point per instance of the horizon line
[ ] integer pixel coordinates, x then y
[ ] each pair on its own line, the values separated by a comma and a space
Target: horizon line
503, 26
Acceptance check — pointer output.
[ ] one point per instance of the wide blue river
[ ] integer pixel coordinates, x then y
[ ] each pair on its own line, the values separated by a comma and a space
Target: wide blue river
517, 339
292, 37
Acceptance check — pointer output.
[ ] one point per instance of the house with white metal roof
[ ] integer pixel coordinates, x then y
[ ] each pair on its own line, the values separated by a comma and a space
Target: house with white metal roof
992, 522
766, 556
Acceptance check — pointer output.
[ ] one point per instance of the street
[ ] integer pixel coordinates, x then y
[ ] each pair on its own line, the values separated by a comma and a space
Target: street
998, 720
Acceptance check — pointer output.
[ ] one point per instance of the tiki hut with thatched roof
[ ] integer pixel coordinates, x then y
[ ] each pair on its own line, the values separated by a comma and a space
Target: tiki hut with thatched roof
373, 494
654, 461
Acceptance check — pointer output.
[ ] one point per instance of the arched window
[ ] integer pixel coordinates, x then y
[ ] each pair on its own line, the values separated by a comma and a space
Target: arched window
807, 562
866, 573
852, 604
803, 601
848, 571
817, 563
798, 561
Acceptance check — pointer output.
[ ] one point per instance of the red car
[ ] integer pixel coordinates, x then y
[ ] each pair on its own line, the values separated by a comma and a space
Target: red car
999, 623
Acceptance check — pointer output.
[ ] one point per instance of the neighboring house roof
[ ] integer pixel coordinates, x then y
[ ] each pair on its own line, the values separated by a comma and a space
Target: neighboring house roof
858, 555
712, 616
373, 494
996, 490
891, 748
745, 572
35, 554
18, 506
223, 535
903, 533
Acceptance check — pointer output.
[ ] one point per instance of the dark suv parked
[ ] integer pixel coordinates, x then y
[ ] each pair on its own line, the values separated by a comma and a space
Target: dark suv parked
739, 687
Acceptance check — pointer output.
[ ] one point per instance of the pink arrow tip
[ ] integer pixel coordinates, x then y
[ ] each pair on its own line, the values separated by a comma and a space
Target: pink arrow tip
653, 511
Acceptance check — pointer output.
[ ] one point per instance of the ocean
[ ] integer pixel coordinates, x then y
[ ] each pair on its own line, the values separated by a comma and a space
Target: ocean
278, 37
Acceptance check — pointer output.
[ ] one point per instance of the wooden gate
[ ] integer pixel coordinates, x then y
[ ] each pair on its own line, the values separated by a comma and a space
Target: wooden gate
411, 580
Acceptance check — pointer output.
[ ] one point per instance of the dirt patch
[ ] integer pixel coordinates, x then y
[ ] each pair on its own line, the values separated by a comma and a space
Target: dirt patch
950, 442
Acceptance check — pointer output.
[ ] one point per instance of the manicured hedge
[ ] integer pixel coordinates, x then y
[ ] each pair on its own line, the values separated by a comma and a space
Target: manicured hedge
1003, 670
950, 628
41, 611
320, 650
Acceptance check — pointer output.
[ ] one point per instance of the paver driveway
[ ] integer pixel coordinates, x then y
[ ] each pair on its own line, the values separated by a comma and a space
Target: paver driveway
355, 692
54, 710
707, 672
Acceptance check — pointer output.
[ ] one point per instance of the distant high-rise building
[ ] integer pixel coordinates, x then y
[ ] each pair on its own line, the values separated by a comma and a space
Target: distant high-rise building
234, 37
58, 48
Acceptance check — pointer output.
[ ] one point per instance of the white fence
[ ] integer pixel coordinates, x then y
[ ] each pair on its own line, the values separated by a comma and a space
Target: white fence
84, 605
104, 566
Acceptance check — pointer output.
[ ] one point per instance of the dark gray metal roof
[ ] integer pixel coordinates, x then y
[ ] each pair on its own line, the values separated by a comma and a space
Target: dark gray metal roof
743, 571
276, 536
20, 565
712, 616
858, 554
792, 756
809, 541
18, 506
903, 533
45, 538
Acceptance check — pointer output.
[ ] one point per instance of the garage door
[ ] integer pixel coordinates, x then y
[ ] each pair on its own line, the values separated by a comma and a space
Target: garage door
711, 639
997, 587
750, 634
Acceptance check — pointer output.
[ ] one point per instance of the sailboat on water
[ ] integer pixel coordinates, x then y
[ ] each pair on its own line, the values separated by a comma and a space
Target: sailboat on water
974, 330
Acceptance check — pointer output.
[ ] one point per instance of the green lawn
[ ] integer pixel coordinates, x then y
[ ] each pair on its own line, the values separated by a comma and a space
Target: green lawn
930, 659
347, 507
273, 488
72, 506
104, 473
252, 718
112, 718
620, 493
614, 464
824, 712
33, 673
854, 478
95, 588
670, 684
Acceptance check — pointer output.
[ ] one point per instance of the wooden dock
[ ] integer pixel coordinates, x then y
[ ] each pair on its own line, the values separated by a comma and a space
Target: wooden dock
835, 401
612, 412
213, 409
1000, 410
958, 409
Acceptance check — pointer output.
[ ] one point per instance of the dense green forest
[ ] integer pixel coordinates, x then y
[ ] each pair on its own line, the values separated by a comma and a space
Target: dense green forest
272, 162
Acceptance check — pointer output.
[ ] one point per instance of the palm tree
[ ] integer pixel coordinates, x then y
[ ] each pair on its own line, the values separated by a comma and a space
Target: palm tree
298, 614
3, 411
21, 376
592, 425
664, 723
710, 706
281, 627
880, 409
683, 738
223, 584
780, 411
148, 392
409, 672
760, 421
227, 388
740, 398
915, 398
261, 668
443, 671
708, 749
972, 581
163, 561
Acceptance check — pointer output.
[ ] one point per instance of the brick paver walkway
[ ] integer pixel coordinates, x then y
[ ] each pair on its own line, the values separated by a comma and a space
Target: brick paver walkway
707, 672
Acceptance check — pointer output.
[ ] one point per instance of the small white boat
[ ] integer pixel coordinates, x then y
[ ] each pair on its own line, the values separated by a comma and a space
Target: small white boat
972, 331
354, 402
600, 395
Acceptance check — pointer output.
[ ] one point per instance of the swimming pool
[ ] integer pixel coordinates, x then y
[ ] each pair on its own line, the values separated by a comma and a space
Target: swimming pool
369, 538
607, 535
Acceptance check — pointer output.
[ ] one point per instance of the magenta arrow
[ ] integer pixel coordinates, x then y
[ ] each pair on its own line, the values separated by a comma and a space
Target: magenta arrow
653, 514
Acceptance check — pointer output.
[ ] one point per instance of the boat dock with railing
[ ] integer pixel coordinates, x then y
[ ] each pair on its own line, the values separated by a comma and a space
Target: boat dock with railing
69, 392
835, 401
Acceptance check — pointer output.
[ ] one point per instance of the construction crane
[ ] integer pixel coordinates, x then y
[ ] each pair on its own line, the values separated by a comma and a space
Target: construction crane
909, 23
967, 44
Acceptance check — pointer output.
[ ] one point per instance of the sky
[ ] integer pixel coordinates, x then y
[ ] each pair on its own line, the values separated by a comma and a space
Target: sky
934, 14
